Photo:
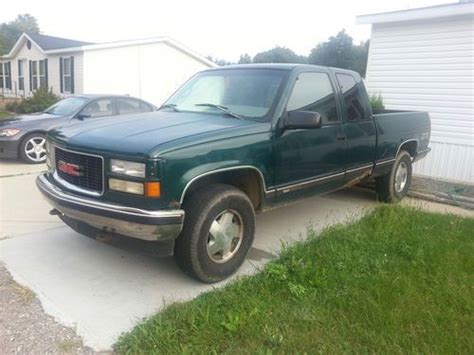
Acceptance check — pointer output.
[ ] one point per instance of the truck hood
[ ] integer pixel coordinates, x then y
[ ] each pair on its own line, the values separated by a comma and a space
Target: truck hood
141, 135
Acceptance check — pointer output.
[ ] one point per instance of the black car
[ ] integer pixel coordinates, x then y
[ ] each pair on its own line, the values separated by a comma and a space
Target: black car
24, 135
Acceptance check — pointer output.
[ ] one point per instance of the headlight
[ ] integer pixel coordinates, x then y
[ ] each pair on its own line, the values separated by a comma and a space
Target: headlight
126, 186
129, 168
8, 132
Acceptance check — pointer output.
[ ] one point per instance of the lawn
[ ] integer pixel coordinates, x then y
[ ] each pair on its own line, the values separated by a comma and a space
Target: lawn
399, 280
4, 114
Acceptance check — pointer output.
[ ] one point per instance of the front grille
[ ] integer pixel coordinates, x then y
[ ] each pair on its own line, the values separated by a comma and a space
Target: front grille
90, 169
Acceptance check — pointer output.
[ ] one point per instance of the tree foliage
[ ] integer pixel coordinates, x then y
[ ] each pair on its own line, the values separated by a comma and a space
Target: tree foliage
11, 31
339, 51
278, 55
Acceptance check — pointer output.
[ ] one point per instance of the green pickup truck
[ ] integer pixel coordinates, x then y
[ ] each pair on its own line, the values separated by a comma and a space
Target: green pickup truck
230, 143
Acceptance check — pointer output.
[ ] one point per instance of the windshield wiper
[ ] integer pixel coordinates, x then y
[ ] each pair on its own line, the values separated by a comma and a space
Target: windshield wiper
221, 108
171, 106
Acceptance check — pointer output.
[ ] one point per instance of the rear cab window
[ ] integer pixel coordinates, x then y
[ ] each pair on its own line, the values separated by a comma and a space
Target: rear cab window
354, 96
313, 92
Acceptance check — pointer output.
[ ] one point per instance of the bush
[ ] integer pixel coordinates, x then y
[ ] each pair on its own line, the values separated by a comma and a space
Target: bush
40, 101
376, 102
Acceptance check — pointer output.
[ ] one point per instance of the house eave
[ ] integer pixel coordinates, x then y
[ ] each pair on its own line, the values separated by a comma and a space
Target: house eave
424, 13
92, 47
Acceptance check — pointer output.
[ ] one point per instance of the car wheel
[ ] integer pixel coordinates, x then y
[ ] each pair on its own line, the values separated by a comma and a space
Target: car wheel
218, 232
394, 186
32, 148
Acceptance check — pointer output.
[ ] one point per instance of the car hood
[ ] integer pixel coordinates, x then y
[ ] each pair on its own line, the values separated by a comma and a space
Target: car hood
24, 120
141, 135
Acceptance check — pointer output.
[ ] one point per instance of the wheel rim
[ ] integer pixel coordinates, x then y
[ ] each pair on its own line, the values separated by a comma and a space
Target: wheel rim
35, 150
225, 236
401, 177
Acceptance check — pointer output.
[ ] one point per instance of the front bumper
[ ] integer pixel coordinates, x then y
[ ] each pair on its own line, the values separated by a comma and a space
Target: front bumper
161, 225
9, 148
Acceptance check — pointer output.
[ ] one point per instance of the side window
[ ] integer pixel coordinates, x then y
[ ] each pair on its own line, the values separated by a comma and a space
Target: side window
99, 108
354, 97
313, 92
128, 106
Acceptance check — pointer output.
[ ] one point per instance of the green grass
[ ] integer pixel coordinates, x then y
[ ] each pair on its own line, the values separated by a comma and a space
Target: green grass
398, 281
4, 114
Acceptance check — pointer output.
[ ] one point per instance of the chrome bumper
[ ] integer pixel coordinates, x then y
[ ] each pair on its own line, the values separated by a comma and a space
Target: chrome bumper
132, 222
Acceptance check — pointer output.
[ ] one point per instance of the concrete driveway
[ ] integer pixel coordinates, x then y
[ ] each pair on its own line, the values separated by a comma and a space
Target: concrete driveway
103, 291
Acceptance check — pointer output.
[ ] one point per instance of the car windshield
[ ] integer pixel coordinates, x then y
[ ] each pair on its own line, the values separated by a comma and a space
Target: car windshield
66, 106
241, 93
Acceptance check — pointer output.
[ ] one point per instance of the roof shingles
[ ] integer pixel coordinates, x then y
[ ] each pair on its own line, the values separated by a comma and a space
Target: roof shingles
50, 42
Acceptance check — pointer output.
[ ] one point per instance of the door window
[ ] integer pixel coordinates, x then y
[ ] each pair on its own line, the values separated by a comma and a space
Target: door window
99, 108
132, 106
313, 92
354, 97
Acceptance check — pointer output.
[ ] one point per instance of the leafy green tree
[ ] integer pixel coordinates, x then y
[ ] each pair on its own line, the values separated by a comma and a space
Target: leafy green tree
340, 52
11, 31
278, 55
245, 59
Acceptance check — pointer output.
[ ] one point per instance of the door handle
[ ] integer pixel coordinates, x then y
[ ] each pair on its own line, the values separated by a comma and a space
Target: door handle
340, 136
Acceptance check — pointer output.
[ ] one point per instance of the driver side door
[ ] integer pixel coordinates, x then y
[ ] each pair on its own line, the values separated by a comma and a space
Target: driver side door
311, 158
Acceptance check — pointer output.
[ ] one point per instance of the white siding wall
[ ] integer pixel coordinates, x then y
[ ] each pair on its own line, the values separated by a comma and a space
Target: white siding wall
34, 53
148, 71
429, 66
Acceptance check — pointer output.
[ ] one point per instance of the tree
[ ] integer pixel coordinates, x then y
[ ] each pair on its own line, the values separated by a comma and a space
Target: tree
11, 31
278, 55
340, 52
219, 62
245, 59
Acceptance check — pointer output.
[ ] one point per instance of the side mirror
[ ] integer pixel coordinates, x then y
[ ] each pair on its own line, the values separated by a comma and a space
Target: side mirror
81, 116
303, 120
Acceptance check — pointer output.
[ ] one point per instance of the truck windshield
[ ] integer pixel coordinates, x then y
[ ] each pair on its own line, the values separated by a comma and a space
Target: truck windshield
241, 93
66, 106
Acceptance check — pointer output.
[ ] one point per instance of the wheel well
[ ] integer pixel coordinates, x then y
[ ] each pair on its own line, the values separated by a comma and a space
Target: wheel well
411, 147
250, 181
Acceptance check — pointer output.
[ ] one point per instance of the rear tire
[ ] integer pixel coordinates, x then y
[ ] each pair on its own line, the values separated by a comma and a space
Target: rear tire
394, 186
218, 231
32, 148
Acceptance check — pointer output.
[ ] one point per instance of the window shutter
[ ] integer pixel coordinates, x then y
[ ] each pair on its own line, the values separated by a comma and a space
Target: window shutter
72, 74
46, 73
61, 89
31, 76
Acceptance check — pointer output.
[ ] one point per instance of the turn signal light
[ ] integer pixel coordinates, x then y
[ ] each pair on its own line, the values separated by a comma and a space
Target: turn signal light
152, 189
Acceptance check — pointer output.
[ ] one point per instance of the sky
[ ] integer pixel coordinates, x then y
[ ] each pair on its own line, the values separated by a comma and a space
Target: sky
222, 29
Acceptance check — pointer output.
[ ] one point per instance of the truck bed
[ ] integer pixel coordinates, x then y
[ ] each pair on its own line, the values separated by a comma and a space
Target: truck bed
395, 127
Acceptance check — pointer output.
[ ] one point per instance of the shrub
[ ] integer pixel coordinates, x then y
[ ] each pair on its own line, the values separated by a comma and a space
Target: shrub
376, 102
41, 100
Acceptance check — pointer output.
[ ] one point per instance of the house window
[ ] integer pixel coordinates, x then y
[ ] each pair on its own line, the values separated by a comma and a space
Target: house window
5, 76
67, 74
39, 74
21, 75
42, 74
66, 67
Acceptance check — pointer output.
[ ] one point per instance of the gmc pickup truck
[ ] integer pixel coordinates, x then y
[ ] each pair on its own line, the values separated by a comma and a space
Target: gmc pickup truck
230, 143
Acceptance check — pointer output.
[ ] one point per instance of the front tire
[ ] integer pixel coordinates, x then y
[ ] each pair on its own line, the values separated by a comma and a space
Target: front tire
218, 232
394, 186
32, 148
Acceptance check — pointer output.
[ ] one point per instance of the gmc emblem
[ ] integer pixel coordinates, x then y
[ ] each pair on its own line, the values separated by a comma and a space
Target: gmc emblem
70, 169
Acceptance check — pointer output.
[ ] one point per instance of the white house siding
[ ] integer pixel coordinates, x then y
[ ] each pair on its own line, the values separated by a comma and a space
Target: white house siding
34, 53
149, 71
54, 72
429, 66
